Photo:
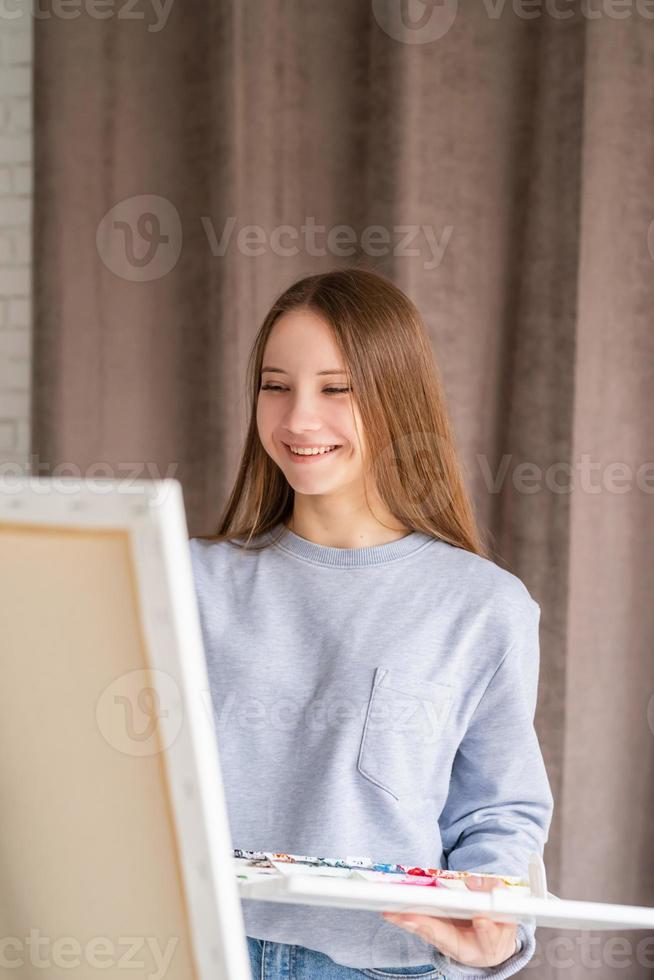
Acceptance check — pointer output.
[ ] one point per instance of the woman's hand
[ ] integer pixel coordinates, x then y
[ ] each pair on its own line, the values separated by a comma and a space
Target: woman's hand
475, 942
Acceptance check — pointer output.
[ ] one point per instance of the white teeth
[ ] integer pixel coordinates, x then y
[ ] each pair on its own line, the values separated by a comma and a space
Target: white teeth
319, 451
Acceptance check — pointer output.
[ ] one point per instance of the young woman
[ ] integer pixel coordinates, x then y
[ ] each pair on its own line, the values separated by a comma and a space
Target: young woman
373, 673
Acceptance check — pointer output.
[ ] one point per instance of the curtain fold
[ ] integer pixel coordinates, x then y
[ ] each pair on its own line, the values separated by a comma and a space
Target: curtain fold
502, 173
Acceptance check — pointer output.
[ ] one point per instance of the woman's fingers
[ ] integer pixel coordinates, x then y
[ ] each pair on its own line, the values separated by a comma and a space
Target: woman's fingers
446, 934
476, 883
478, 941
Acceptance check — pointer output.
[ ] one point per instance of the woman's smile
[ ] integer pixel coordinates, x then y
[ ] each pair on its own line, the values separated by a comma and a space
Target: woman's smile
306, 457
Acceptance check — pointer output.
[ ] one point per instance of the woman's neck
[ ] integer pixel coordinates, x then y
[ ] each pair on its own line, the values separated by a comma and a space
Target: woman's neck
356, 532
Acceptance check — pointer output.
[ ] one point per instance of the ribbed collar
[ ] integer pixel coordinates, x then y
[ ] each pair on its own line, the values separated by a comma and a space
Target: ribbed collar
378, 554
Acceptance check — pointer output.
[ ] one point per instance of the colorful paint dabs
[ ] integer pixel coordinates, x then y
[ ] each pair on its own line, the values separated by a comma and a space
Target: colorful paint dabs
257, 863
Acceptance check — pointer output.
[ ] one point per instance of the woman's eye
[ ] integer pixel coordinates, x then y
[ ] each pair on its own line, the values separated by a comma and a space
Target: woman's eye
331, 391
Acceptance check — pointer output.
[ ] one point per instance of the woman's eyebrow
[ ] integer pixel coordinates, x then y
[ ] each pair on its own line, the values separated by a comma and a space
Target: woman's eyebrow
274, 370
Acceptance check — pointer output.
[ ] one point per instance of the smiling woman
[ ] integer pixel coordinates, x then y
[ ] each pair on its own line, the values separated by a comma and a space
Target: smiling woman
349, 441
365, 595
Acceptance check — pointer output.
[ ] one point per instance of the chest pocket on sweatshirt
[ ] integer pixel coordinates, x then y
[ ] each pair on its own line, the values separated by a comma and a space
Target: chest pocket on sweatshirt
402, 730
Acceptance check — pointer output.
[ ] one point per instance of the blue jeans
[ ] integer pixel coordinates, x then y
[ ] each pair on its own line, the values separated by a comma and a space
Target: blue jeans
279, 961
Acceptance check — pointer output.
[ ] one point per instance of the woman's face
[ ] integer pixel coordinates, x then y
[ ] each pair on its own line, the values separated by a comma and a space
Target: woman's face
301, 407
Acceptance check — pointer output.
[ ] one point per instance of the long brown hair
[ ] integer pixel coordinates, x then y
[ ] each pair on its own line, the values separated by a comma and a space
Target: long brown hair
394, 378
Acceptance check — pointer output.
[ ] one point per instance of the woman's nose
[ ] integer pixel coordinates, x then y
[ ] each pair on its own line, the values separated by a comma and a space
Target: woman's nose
302, 414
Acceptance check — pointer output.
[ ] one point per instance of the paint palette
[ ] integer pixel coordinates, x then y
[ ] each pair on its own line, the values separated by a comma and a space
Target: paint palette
361, 883
253, 865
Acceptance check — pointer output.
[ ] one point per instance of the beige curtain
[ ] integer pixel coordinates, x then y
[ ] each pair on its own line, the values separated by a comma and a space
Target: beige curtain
510, 149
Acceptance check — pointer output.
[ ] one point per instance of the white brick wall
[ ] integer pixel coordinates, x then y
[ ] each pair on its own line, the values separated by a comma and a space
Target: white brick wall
15, 237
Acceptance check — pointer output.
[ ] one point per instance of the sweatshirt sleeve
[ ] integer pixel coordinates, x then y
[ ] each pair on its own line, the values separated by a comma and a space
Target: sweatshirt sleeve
499, 805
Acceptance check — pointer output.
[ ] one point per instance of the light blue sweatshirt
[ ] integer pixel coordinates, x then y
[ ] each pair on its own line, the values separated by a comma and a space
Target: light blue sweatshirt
374, 702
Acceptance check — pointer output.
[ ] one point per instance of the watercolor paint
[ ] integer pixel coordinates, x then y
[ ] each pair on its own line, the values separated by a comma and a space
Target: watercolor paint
252, 864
